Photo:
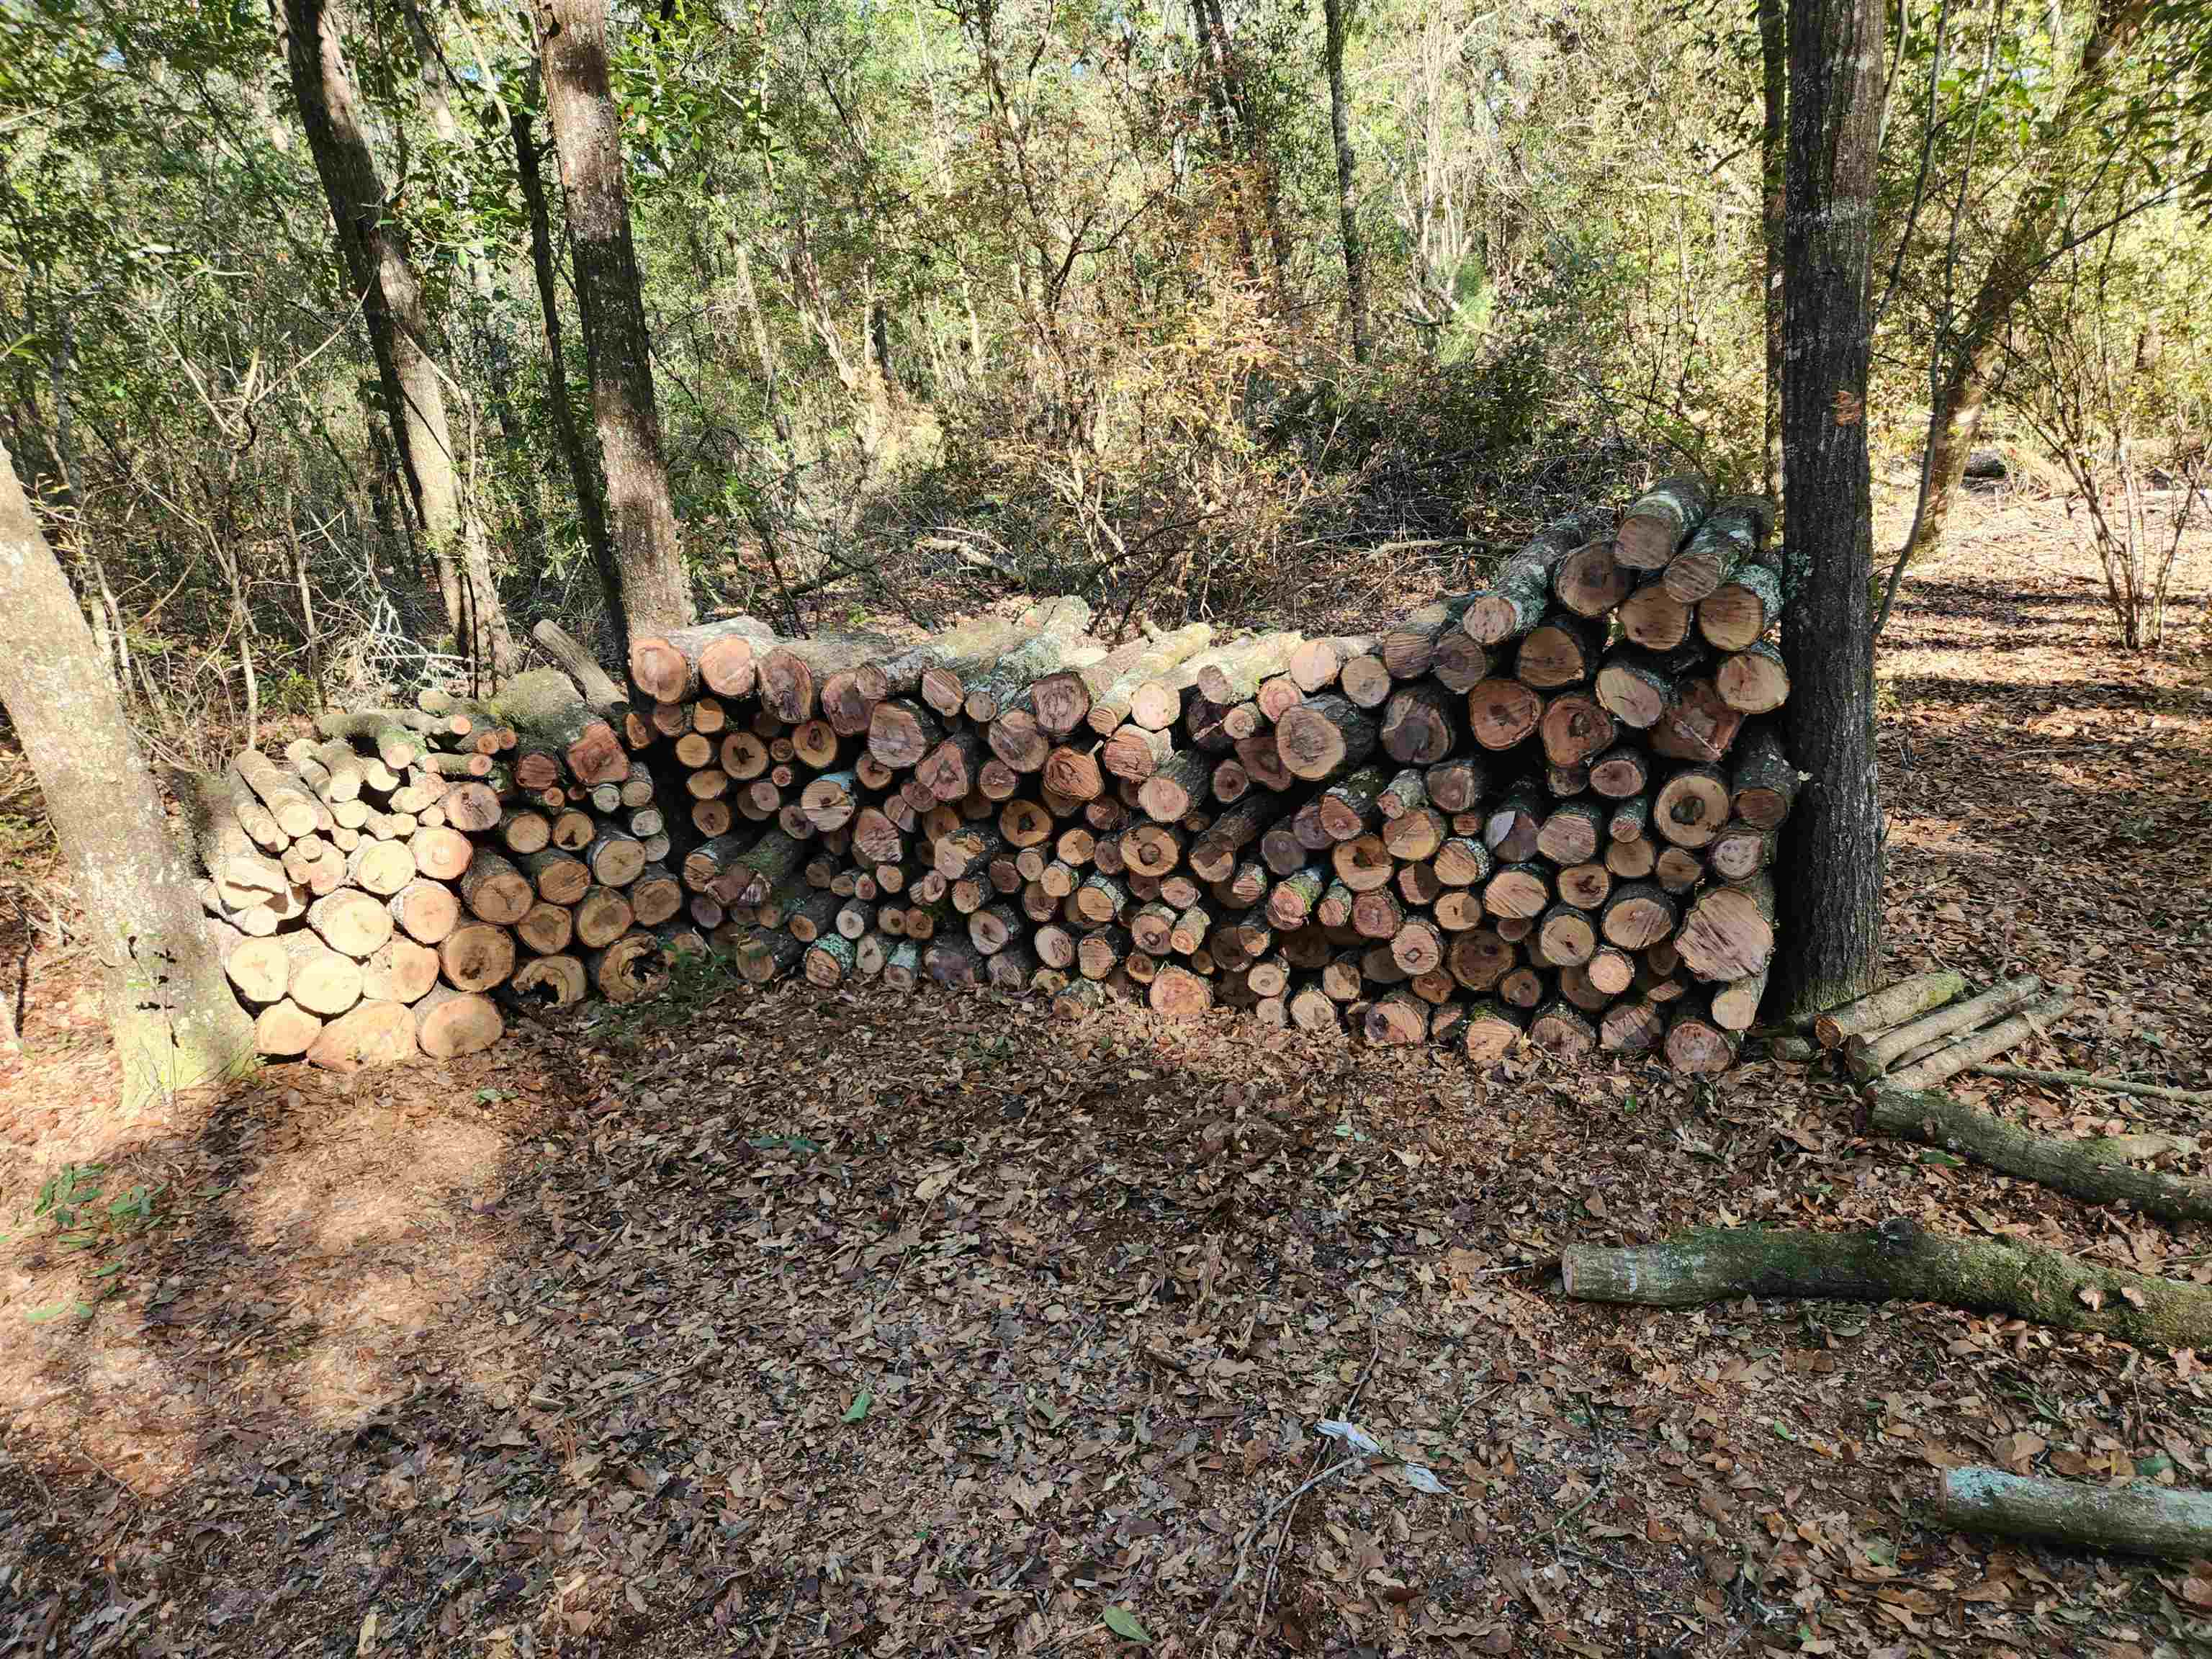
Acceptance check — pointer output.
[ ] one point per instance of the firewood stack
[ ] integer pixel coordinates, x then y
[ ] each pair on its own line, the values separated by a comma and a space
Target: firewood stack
386, 885
1543, 808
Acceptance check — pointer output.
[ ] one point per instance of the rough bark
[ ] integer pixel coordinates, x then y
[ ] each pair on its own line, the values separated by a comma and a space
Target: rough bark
373, 241
1832, 884
1334, 16
572, 43
1773, 171
169, 1007
583, 474
1660, 520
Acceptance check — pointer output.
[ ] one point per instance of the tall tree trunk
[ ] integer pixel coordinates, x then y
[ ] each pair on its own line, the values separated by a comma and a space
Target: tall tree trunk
591, 503
1773, 157
1831, 892
374, 247
2022, 248
1348, 195
572, 46
175, 1023
529, 488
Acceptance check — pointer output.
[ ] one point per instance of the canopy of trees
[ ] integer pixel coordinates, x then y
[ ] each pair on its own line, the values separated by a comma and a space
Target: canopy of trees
302, 305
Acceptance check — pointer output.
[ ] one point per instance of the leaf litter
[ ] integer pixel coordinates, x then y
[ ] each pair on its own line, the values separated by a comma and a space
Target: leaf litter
850, 1325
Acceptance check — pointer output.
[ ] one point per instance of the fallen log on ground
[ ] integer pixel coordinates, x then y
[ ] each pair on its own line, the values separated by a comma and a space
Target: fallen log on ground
2032, 1020
2136, 1519
1892, 1004
2086, 1170
1898, 1261
1873, 1049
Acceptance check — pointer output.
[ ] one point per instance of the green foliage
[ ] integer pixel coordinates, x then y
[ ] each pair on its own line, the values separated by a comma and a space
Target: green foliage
74, 1209
949, 296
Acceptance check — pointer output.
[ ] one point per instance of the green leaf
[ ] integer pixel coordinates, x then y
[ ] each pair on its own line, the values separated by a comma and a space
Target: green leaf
858, 1408
1123, 1623
1931, 1156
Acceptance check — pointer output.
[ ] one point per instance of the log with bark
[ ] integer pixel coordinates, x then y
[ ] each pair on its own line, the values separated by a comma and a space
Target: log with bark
1897, 1262
2095, 1168
2139, 1518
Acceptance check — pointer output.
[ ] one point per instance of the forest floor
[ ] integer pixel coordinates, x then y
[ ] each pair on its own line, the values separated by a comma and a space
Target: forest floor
774, 1323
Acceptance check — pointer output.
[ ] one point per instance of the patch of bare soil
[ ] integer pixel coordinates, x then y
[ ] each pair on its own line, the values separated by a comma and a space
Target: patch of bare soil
780, 1324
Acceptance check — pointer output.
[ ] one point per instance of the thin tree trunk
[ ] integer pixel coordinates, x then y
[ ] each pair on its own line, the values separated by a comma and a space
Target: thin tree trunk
1347, 196
516, 439
591, 502
2022, 247
587, 134
175, 1023
1773, 155
375, 251
1833, 889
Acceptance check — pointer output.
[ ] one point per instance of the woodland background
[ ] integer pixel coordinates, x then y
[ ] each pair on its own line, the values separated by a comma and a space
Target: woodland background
947, 299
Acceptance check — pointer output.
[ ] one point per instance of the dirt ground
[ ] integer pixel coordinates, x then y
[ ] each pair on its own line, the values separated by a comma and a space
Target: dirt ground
777, 1323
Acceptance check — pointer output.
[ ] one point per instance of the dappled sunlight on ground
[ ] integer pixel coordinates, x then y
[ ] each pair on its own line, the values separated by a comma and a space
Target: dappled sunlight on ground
853, 1323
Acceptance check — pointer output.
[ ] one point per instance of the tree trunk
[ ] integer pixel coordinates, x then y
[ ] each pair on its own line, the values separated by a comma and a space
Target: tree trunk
175, 1023
1335, 15
373, 243
572, 38
1774, 158
583, 476
2022, 248
1834, 853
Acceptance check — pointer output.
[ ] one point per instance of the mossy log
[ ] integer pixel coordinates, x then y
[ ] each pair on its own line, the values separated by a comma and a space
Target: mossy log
1661, 521
1741, 609
1898, 1261
1514, 601
1733, 536
1763, 785
544, 705
1057, 643
2136, 1519
2093, 1169
374, 731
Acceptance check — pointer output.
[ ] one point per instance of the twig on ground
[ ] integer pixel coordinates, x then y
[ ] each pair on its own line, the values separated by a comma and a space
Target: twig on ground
2115, 1085
1244, 1543
1290, 1515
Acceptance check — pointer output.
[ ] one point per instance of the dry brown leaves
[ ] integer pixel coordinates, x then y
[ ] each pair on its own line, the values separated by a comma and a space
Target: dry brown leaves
848, 1325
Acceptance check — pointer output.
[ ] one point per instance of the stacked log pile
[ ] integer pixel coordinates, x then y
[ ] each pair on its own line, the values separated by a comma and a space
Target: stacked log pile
386, 885
1543, 808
